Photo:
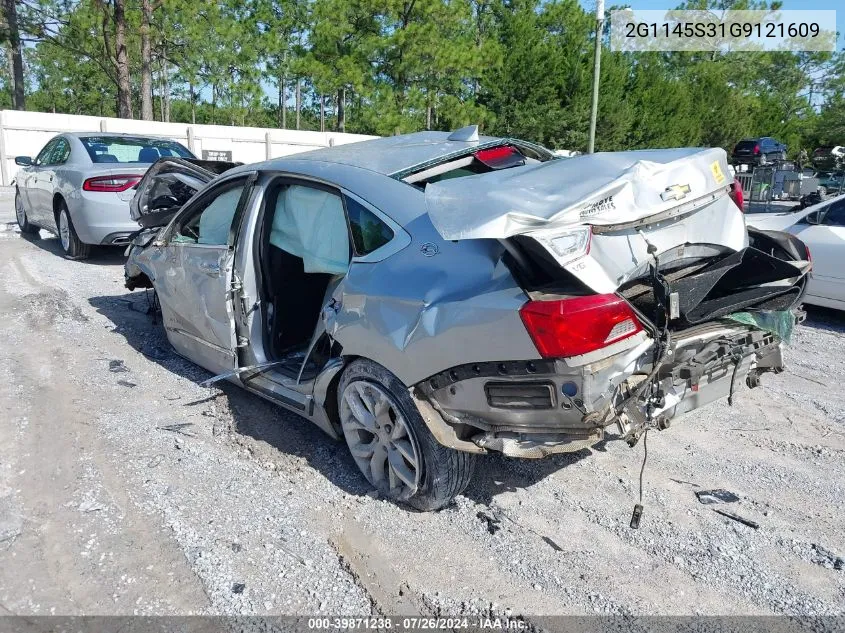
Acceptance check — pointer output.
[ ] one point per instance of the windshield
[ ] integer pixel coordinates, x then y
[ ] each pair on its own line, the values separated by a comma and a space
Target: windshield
123, 149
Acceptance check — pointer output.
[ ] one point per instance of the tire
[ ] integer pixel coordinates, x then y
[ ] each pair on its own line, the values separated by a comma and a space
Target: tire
377, 411
23, 221
73, 247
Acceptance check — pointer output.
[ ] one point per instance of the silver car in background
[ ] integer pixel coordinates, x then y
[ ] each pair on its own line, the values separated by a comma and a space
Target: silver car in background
80, 184
432, 297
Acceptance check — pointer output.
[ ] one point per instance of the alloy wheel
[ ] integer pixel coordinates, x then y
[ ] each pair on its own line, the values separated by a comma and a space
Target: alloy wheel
64, 230
379, 439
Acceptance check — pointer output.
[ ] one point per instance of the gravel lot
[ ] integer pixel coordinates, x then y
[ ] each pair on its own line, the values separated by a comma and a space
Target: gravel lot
126, 488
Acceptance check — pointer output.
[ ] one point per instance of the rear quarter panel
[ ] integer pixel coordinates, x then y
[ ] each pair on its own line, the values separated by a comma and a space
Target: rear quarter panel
418, 313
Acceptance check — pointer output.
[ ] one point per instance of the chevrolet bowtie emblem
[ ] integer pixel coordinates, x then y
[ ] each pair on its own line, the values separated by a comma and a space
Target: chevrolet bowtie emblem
675, 192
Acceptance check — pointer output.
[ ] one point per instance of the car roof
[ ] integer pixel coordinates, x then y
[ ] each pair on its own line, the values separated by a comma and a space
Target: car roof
82, 135
389, 155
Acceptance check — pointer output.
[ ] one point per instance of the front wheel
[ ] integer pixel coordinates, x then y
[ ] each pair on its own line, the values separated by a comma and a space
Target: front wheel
73, 247
391, 443
23, 221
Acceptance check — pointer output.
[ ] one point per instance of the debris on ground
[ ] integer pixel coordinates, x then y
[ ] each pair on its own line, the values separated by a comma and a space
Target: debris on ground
737, 518
552, 544
493, 523
709, 497
178, 428
117, 366
90, 506
824, 557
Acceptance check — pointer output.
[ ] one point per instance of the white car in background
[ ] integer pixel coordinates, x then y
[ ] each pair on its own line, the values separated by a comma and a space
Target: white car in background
80, 184
822, 228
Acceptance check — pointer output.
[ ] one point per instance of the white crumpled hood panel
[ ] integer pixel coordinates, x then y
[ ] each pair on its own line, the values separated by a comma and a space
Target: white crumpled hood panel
597, 189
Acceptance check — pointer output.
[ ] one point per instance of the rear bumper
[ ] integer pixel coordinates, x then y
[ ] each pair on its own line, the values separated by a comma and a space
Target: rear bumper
101, 218
534, 409
746, 160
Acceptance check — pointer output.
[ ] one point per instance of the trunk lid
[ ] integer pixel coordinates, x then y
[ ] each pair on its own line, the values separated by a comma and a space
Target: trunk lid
596, 216
168, 185
607, 220
603, 189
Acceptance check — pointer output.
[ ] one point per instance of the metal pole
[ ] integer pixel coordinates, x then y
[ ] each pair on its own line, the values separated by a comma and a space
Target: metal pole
4, 168
596, 73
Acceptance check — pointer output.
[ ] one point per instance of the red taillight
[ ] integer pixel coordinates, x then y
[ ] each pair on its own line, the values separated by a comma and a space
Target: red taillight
737, 195
495, 153
756, 149
120, 182
570, 327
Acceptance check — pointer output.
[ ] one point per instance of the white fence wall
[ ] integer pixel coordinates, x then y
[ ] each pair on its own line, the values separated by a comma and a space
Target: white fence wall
25, 133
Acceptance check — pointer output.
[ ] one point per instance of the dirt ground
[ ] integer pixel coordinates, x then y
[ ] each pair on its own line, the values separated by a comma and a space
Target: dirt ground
127, 488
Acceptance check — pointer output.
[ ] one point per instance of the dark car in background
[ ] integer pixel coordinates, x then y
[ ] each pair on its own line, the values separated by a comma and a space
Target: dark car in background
829, 157
758, 151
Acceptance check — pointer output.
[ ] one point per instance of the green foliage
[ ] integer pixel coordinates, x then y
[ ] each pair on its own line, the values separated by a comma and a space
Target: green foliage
517, 67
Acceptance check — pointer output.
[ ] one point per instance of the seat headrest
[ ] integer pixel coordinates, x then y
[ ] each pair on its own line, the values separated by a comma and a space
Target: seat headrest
148, 155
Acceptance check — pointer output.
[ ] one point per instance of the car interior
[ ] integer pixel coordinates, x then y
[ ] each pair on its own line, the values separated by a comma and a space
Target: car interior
304, 247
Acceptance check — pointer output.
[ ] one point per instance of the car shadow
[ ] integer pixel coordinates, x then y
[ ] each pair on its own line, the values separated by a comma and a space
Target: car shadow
100, 255
496, 474
825, 319
252, 416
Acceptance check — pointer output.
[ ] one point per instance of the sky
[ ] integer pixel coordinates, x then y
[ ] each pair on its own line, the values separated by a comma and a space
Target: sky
836, 5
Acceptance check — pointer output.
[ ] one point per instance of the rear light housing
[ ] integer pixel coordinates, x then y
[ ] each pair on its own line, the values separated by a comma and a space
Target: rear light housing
756, 149
500, 157
115, 183
495, 153
579, 325
569, 245
737, 195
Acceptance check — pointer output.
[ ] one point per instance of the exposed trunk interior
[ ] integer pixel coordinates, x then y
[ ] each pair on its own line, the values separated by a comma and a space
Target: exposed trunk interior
768, 275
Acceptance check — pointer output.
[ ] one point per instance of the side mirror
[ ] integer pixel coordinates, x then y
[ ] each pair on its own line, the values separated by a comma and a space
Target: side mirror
23, 161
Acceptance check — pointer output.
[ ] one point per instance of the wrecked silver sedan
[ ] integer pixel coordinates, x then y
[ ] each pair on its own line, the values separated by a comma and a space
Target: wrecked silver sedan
434, 297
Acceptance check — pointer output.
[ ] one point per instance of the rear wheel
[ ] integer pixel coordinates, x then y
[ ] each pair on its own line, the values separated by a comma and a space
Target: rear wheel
23, 221
73, 247
391, 443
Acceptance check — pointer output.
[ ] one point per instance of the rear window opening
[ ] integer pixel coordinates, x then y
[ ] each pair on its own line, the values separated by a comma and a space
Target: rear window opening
480, 161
